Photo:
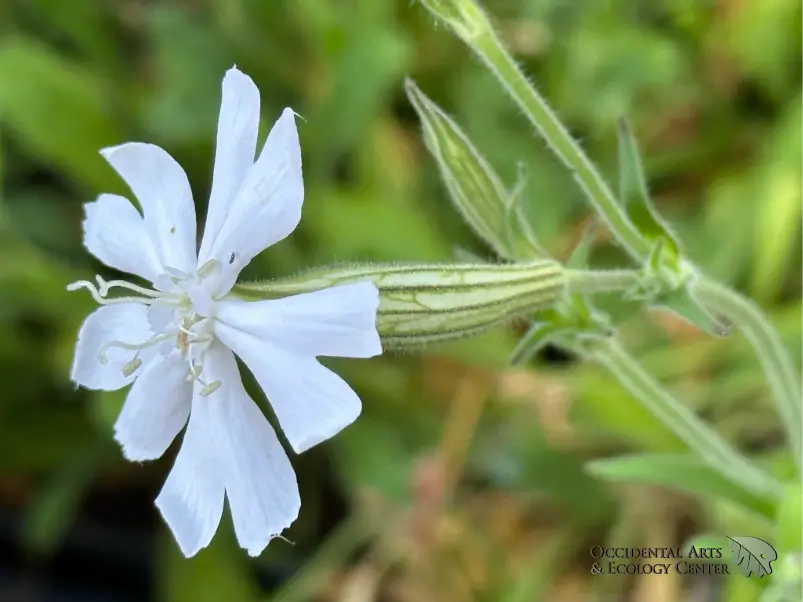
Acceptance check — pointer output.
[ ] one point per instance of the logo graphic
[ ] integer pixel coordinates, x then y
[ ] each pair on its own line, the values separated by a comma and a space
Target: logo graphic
752, 555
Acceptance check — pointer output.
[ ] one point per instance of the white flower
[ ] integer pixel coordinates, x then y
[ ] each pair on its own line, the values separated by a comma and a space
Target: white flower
174, 341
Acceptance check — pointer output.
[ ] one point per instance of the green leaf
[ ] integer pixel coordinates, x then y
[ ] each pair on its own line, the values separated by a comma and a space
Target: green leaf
582, 252
58, 109
635, 197
363, 73
678, 471
463, 255
788, 520
776, 227
551, 557
387, 469
183, 108
706, 540
218, 572
104, 407
52, 512
474, 187
603, 410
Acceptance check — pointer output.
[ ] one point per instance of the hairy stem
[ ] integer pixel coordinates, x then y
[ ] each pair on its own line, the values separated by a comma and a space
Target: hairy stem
591, 282
783, 380
546, 122
696, 434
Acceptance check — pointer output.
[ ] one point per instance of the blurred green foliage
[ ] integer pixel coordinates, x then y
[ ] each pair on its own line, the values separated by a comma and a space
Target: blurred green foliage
463, 479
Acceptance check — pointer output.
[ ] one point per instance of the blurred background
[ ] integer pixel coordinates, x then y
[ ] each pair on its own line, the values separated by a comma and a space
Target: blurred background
463, 479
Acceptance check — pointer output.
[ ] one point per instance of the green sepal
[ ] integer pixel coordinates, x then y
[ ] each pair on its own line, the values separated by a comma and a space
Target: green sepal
682, 302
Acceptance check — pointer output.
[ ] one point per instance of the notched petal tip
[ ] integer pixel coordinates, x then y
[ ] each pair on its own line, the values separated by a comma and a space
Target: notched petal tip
256, 550
288, 110
287, 118
286, 145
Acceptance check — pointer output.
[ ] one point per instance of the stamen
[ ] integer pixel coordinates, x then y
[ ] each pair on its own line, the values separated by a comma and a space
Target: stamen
130, 367
195, 375
195, 372
187, 324
210, 388
177, 274
208, 269
133, 347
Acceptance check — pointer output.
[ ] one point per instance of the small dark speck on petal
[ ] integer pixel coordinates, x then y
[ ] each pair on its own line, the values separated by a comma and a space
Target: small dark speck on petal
231, 259
172, 230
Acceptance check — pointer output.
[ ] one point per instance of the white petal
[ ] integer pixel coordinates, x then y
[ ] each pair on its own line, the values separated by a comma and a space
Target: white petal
124, 322
156, 409
114, 232
237, 128
161, 187
338, 322
191, 501
311, 402
267, 206
260, 483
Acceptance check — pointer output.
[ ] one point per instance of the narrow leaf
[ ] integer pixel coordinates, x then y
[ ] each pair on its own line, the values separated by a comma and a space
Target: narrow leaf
58, 109
635, 197
56, 504
582, 252
677, 471
788, 520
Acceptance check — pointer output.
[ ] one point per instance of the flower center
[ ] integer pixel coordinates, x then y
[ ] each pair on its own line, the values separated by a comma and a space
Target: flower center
181, 311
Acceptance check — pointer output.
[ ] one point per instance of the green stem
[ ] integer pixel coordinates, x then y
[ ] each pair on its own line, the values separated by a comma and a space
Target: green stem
591, 282
696, 434
774, 359
543, 118
784, 382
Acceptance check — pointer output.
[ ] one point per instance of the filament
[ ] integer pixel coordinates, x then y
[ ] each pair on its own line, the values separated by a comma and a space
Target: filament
131, 346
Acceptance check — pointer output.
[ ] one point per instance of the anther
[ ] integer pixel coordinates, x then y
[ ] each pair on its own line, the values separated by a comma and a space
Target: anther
130, 367
210, 388
208, 269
